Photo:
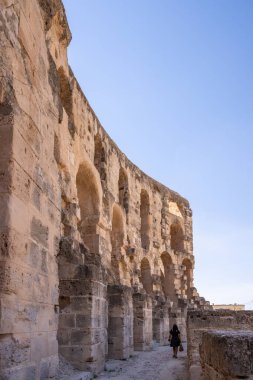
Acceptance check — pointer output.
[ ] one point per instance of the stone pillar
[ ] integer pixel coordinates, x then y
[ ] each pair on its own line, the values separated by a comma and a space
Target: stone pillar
161, 324
82, 333
120, 322
143, 329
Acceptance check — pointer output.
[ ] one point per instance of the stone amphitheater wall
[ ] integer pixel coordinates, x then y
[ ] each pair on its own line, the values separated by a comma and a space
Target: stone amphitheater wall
96, 256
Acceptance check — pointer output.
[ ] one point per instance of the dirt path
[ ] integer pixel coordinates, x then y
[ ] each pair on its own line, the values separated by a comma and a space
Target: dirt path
154, 365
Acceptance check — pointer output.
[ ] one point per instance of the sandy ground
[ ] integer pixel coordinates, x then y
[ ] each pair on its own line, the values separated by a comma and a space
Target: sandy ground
157, 364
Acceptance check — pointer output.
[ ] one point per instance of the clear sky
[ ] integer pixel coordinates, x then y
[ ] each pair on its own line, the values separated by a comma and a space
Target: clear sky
171, 82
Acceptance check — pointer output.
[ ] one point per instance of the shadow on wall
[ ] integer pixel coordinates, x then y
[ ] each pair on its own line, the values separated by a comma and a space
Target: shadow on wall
168, 276
176, 237
145, 220
89, 203
146, 277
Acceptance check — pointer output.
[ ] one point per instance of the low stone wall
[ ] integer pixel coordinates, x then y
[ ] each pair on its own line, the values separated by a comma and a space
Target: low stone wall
227, 355
200, 322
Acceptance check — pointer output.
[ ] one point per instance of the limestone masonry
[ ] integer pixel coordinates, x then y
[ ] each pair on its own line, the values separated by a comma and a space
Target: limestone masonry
96, 257
220, 344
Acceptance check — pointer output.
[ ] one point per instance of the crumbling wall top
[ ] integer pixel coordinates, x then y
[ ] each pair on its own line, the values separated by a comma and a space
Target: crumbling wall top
52, 9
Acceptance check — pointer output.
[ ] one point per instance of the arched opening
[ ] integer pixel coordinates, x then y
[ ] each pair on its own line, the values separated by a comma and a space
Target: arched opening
176, 237
117, 239
123, 190
80, 272
146, 277
187, 276
120, 304
89, 203
168, 276
145, 220
100, 157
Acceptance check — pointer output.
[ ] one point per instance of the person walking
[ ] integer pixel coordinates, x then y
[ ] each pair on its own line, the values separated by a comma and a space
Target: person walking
175, 340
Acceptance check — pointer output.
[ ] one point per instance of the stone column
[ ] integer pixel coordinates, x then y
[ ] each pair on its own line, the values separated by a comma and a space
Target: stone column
82, 333
161, 324
143, 329
120, 322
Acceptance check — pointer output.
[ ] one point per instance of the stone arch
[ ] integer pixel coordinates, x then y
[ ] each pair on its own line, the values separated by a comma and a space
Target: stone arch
145, 220
117, 240
187, 276
123, 190
146, 277
100, 157
168, 276
89, 197
77, 261
176, 237
120, 325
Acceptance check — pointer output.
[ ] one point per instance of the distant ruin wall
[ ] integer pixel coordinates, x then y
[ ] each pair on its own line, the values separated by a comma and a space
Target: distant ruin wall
227, 355
200, 323
77, 218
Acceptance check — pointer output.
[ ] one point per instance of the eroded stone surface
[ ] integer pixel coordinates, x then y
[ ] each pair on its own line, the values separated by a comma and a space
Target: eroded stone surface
227, 355
89, 244
225, 322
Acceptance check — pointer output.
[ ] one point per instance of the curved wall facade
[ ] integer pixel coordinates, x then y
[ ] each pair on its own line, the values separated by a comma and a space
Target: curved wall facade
96, 257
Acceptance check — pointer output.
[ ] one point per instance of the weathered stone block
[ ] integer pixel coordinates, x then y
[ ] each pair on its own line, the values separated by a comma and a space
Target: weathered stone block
78, 356
20, 317
5, 176
52, 343
41, 288
5, 213
6, 136
79, 304
120, 322
21, 372
39, 232
199, 322
83, 321
13, 245
39, 346
228, 354
14, 350
47, 318
67, 321
16, 280
63, 337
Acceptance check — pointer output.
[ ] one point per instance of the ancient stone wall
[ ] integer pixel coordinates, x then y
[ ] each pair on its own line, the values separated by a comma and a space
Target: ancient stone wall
96, 257
201, 322
227, 355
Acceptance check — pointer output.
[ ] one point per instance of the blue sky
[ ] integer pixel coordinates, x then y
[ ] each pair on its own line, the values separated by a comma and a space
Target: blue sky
171, 82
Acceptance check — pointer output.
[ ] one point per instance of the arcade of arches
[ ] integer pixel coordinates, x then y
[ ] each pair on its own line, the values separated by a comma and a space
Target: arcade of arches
96, 256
